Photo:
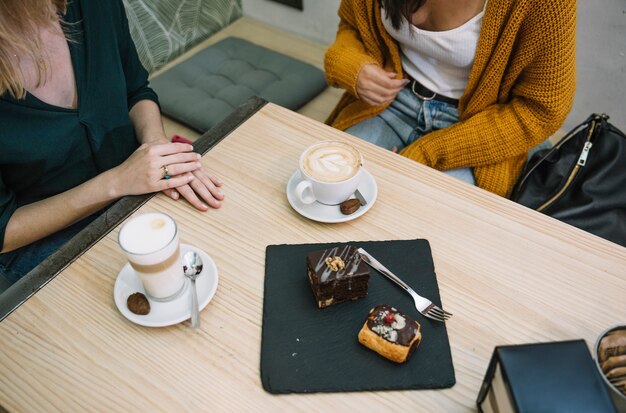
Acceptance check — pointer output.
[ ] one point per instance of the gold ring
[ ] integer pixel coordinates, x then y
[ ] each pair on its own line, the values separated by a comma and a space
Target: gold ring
166, 173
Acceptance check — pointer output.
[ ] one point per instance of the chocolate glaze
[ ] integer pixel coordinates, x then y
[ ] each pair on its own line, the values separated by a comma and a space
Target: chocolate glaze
376, 319
354, 267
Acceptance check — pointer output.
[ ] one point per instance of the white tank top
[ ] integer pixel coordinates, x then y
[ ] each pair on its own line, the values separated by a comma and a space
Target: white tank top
441, 61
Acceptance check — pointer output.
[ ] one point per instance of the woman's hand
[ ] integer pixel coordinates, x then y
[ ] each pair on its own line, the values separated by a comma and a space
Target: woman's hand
203, 190
188, 179
377, 87
143, 172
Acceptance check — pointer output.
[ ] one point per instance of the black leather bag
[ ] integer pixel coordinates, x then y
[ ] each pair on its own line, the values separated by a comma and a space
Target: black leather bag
581, 180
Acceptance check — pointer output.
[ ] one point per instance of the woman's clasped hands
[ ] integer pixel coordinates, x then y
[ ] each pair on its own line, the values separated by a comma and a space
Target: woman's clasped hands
169, 167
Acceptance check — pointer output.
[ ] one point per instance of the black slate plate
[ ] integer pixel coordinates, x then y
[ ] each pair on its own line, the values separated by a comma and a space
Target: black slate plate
306, 349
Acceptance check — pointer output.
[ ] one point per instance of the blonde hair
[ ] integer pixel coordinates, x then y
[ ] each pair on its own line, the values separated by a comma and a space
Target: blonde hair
20, 24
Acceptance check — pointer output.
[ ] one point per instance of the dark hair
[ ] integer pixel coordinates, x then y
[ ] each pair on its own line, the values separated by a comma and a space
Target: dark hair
398, 9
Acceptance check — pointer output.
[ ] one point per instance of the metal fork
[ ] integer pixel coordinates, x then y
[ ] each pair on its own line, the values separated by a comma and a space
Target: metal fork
423, 305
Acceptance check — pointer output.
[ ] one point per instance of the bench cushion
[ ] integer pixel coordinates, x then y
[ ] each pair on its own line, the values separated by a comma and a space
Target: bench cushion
204, 89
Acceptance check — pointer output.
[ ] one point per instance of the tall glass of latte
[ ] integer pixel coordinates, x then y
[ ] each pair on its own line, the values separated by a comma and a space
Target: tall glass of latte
330, 171
151, 244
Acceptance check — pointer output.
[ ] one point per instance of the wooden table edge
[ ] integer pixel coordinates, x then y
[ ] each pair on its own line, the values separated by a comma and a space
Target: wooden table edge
48, 269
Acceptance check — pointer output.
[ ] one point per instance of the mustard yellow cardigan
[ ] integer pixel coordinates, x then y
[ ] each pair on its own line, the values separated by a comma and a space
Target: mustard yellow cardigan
520, 89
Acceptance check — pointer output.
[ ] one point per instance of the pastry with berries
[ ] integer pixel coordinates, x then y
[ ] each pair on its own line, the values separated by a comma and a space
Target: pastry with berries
337, 275
390, 333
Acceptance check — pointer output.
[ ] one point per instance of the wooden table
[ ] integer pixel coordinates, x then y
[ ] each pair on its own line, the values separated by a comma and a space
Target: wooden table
509, 275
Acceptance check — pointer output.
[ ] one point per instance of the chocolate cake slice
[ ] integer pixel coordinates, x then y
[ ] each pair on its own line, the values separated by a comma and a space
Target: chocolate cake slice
337, 275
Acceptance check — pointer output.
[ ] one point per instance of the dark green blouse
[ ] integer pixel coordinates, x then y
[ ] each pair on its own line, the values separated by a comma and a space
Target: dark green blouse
45, 149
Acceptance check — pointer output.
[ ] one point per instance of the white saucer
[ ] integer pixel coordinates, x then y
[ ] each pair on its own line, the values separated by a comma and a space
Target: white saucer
331, 213
172, 312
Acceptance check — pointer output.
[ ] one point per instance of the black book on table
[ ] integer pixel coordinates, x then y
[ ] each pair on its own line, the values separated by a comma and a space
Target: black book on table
543, 377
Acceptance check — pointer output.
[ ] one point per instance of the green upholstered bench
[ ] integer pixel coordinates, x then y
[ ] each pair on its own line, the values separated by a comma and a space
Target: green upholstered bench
204, 89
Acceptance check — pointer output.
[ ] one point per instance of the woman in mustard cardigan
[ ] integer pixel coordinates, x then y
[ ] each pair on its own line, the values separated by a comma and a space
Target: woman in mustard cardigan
463, 86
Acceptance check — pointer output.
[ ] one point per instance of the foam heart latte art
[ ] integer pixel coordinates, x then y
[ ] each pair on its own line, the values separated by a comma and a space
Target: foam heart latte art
331, 162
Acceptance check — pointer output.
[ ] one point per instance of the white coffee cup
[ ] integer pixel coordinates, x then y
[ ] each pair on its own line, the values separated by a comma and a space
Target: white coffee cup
331, 171
151, 244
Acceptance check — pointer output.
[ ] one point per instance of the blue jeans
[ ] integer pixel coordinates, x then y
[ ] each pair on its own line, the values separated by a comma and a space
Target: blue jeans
407, 119
15, 264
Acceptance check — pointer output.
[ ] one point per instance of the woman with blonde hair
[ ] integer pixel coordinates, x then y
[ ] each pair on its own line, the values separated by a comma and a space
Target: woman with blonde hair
79, 127
463, 86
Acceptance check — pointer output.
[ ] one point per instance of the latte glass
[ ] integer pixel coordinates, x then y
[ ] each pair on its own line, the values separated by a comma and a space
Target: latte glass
151, 244
331, 171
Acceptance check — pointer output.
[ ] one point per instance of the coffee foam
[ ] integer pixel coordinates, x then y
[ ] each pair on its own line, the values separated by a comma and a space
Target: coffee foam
148, 233
331, 162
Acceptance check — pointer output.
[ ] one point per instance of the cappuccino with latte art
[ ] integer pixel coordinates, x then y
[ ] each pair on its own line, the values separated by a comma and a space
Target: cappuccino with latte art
331, 162
331, 172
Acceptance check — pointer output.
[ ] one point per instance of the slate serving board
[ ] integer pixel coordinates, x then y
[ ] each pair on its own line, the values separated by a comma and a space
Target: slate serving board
305, 349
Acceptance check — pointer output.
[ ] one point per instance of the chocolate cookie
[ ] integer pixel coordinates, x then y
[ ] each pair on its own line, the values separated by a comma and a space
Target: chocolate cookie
349, 206
138, 304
